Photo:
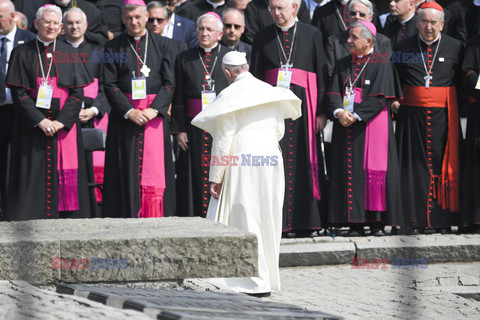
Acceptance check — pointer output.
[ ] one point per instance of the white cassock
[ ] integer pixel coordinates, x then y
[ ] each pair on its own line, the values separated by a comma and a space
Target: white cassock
246, 122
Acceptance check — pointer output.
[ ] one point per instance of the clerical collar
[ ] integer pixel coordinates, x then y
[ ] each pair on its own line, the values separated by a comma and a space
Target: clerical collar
207, 50
476, 2
404, 22
46, 44
216, 5
344, 2
73, 44
138, 38
432, 42
369, 52
242, 75
285, 29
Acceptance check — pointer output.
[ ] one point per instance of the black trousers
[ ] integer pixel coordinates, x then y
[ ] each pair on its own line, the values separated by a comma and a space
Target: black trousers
6, 129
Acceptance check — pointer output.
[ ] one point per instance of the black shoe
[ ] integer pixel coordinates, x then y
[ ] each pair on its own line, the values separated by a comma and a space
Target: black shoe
395, 231
444, 230
355, 233
259, 295
377, 232
306, 234
288, 235
415, 231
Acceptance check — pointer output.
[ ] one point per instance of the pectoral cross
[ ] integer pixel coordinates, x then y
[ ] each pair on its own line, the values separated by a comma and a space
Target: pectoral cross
145, 71
427, 78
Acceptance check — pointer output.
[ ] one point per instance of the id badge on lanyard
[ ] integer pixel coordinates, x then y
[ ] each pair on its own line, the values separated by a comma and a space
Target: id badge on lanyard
44, 98
139, 88
207, 98
284, 77
348, 100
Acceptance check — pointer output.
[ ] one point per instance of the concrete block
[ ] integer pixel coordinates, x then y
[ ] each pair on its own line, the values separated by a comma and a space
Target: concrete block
315, 254
120, 250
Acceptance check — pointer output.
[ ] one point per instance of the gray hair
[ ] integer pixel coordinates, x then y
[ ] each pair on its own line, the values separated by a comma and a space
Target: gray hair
50, 8
206, 15
130, 7
75, 9
156, 4
367, 34
366, 3
235, 10
23, 19
235, 70
442, 14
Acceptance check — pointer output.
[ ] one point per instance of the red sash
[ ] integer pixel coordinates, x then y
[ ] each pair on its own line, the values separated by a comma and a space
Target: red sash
152, 181
308, 81
442, 97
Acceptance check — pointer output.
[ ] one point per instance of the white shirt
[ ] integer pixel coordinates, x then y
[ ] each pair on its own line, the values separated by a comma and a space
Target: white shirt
168, 30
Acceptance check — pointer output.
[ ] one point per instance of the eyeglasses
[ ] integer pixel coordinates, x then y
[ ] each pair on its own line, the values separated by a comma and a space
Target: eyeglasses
48, 22
159, 20
354, 13
208, 30
231, 25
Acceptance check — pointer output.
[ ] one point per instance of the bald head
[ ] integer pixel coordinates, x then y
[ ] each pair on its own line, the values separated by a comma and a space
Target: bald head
7, 16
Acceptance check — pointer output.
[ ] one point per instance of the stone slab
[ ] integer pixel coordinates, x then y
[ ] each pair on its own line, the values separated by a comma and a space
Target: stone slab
188, 304
123, 250
433, 248
316, 253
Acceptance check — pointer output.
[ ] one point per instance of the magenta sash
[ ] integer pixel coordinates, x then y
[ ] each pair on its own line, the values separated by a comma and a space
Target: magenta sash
375, 159
153, 163
308, 81
99, 156
67, 154
91, 91
194, 106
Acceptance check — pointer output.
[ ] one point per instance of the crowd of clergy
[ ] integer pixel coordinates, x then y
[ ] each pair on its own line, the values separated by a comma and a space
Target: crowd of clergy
380, 141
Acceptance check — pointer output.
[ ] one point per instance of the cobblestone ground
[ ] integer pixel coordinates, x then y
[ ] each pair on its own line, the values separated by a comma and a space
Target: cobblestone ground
431, 293
384, 294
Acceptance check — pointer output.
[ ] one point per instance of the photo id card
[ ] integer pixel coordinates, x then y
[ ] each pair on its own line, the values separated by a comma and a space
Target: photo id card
207, 98
44, 98
139, 88
348, 101
284, 78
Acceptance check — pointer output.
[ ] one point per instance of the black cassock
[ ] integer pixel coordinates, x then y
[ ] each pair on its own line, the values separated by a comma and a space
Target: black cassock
34, 184
471, 168
124, 159
257, 17
301, 208
94, 96
423, 129
379, 84
193, 188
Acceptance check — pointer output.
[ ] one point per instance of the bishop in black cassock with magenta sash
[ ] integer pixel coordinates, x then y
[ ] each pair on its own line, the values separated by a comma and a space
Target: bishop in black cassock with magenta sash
297, 47
48, 175
428, 127
365, 184
197, 69
139, 84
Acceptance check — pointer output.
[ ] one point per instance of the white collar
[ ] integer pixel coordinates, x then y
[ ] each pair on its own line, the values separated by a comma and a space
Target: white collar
209, 49
369, 52
46, 44
404, 22
285, 29
344, 2
74, 44
430, 43
138, 38
242, 75
216, 5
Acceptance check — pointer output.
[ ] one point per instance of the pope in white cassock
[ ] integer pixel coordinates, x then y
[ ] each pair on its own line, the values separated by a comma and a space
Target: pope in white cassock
246, 122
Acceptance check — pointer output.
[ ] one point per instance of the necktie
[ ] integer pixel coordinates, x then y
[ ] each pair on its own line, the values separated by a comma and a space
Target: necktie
3, 67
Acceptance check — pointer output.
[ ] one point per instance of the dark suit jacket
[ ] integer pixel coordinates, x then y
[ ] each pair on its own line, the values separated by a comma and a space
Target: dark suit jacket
23, 36
241, 47
184, 30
